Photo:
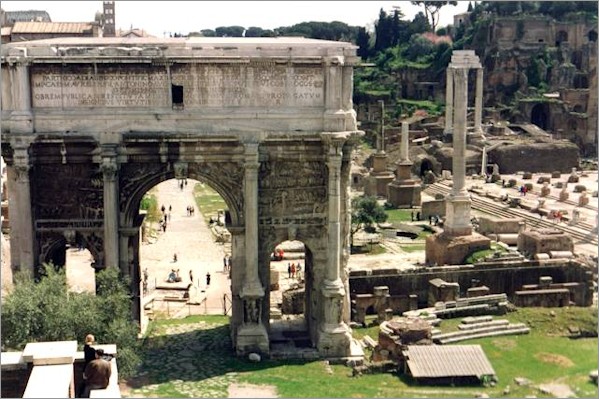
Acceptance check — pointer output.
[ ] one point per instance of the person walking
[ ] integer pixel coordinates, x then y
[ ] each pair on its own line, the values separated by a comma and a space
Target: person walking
191, 276
293, 270
208, 279
289, 270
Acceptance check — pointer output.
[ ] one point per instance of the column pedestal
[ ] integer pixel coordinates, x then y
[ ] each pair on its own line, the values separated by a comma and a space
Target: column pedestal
334, 337
404, 192
380, 177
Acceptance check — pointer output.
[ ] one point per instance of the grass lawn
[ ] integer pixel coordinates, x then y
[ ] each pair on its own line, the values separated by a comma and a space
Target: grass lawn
192, 357
399, 215
208, 200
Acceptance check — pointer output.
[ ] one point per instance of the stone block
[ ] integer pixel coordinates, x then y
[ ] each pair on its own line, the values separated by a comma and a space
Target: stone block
536, 241
527, 175
556, 174
488, 225
573, 179
512, 182
543, 179
579, 188
563, 195
442, 249
583, 200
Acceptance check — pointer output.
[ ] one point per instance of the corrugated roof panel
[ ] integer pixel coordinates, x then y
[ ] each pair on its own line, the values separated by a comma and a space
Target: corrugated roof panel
435, 361
51, 27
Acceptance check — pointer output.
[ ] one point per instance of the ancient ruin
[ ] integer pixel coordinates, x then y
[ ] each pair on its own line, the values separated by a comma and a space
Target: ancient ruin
458, 239
91, 124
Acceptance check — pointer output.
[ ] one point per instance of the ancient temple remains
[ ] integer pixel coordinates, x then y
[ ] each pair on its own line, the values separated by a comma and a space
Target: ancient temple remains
458, 240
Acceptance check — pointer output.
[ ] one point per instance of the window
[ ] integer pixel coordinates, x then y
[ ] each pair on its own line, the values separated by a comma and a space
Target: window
177, 93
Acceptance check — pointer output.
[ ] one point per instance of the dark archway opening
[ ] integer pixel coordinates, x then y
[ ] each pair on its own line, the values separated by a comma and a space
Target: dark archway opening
592, 36
425, 166
291, 283
540, 116
562, 36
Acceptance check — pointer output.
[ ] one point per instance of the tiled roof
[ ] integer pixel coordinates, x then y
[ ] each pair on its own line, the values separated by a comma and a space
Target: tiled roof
51, 27
436, 361
5, 31
26, 16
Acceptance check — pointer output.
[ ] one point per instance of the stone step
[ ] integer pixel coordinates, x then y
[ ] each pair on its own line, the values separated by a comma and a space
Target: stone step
474, 326
476, 319
474, 332
514, 331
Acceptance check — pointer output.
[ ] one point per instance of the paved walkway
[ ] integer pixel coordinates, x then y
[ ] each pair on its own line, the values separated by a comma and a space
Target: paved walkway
190, 238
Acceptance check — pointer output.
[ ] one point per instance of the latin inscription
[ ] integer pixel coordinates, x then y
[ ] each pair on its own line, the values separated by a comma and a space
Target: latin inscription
203, 86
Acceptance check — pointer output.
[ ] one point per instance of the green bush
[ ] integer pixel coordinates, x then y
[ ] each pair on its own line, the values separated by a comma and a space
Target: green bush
47, 311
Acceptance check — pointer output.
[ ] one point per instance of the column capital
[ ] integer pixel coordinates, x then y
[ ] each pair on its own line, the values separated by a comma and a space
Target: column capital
109, 169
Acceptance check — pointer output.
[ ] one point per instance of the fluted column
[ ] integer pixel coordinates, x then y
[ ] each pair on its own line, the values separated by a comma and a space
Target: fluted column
251, 335
478, 102
449, 102
333, 289
22, 225
109, 168
21, 115
252, 286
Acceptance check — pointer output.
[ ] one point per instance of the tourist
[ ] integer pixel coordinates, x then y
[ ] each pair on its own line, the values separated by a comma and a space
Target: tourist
412, 215
96, 374
171, 276
418, 216
225, 264
298, 271
89, 354
228, 263
289, 270
177, 277
293, 270
208, 279
191, 276
162, 208
164, 227
174, 257
170, 208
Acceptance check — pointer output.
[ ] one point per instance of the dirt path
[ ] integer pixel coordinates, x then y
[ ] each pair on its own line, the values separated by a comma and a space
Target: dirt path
191, 239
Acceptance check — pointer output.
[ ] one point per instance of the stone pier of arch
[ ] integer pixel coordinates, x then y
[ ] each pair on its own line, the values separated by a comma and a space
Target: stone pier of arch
268, 123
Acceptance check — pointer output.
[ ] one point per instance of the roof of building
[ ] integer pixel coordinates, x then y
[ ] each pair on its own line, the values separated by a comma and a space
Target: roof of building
26, 16
436, 361
51, 27
5, 30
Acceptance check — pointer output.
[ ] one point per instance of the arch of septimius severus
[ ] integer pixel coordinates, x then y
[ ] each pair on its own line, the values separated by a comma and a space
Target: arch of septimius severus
90, 125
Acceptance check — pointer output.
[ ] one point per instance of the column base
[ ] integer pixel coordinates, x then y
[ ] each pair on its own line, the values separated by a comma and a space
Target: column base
404, 193
457, 219
334, 343
252, 338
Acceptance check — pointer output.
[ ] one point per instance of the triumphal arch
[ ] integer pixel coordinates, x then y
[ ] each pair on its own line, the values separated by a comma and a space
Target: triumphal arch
91, 124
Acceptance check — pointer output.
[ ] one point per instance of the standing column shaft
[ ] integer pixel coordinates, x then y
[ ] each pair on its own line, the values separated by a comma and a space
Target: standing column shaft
21, 117
23, 224
478, 102
334, 164
459, 133
405, 135
449, 101
252, 286
109, 169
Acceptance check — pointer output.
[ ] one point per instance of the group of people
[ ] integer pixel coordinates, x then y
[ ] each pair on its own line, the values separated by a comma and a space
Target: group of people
415, 217
166, 217
523, 190
96, 369
190, 210
173, 276
294, 271
182, 184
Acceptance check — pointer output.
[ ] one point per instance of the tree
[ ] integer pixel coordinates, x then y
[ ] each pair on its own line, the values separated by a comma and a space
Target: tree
383, 32
366, 211
431, 10
47, 311
208, 33
229, 31
363, 42
254, 31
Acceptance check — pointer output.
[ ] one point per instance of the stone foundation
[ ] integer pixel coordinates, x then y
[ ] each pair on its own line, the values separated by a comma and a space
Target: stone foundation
404, 194
442, 249
533, 242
